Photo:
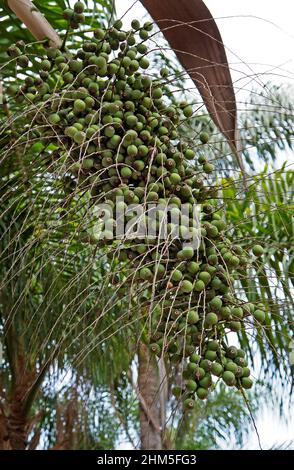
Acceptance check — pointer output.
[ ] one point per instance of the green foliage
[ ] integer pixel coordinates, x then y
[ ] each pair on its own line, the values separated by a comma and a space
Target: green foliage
265, 217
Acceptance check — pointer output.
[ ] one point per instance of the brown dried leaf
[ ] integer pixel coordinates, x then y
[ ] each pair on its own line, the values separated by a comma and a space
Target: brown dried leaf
195, 38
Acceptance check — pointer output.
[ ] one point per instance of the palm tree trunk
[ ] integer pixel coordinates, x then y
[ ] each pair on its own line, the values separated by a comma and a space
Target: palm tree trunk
149, 398
17, 426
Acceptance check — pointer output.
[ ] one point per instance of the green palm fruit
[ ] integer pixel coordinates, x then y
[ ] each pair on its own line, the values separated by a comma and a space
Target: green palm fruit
189, 404
142, 48
200, 372
70, 131
135, 25
13, 51
193, 267
192, 368
204, 137
99, 34
144, 63
78, 126
155, 348
219, 224
157, 93
87, 163
231, 366
139, 165
159, 269
202, 159
109, 131
185, 253
191, 385
211, 355
45, 65
246, 382
208, 168
210, 319
132, 150
195, 358
202, 393
114, 141
79, 137
246, 372
131, 121
68, 14
23, 61
146, 274
186, 287
199, 285
206, 382
79, 106
175, 178
213, 345
126, 172
213, 260
189, 154
143, 34
248, 308
205, 277
235, 326
54, 118
257, 250
237, 312
188, 111
152, 196
239, 372
206, 365
216, 283
192, 317
79, 7
216, 303
259, 315
229, 378
176, 275
232, 352
164, 72
189, 349
217, 369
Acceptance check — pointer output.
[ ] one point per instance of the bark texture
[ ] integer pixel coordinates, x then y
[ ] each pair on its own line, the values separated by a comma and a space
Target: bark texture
149, 398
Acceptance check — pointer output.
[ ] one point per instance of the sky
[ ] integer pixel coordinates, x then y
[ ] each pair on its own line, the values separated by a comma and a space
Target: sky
259, 40
258, 36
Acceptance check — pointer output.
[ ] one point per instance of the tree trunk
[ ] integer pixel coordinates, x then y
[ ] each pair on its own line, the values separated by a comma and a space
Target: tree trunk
17, 426
149, 398
14, 425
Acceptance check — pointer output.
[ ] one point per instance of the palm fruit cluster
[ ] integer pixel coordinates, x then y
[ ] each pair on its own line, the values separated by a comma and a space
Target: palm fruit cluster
115, 130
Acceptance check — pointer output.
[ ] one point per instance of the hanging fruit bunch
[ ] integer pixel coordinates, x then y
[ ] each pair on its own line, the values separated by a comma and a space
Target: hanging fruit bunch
116, 132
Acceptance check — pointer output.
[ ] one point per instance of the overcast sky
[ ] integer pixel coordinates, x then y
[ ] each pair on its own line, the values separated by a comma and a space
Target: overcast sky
259, 38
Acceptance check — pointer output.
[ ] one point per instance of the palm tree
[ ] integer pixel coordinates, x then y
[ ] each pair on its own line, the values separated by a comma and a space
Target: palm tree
64, 310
